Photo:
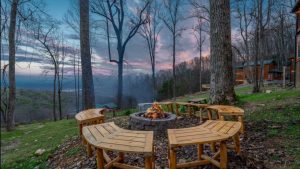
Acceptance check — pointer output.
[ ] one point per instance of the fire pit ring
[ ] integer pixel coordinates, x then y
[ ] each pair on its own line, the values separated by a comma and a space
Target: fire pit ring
138, 122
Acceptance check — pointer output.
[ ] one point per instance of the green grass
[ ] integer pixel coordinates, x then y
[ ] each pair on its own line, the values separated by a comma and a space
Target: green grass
19, 146
26, 139
274, 96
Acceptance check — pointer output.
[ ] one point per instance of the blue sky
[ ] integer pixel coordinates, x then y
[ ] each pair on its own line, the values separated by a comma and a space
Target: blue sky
136, 53
57, 8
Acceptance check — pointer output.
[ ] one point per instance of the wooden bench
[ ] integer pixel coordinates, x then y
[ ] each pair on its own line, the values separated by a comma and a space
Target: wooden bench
211, 131
169, 106
89, 117
224, 110
190, 108
108, 136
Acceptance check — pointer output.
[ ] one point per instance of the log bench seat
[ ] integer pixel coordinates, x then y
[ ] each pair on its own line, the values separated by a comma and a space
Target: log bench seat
89, 117
212, 131
109, 137
225, 110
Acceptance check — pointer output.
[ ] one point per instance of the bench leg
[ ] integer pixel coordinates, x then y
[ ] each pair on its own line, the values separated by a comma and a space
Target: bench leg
223, 155
222, 118
121, 156
89, 150
100, 158
172, 159
200, 151
177, 109
236, 140
213, 147
240, 119
148, 162
209, 114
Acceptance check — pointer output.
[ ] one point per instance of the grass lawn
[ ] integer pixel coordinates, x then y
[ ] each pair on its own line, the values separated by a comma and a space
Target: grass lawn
279, 108
18, 147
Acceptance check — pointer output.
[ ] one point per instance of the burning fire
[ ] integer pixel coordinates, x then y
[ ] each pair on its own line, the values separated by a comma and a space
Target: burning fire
155, 112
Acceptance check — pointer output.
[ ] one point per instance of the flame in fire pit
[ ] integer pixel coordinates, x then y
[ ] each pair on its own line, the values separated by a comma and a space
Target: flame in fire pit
155, 112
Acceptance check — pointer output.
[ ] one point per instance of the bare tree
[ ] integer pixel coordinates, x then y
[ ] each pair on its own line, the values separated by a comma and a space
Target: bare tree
116, 14
261, 22
12, 62
72, 18
45, 35
171, 19
221, 82
60, 75
150, 32
3, 83
198, 33
243, 12
88, 95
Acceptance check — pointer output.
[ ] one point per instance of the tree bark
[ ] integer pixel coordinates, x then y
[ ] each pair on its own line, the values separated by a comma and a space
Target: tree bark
54, 95
174, 62
12, 61
88, 96
221, 83
200, 58
120, 84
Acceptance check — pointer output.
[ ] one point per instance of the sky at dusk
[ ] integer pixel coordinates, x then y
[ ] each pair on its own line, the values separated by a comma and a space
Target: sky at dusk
136, 55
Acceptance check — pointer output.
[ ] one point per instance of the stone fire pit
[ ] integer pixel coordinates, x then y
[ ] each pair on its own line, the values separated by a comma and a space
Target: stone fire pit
138, 122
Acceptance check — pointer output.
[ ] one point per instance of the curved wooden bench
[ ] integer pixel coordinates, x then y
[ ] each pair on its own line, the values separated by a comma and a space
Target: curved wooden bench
169, 106
108, 136
224, 110
211, 131
89, 117
190, 111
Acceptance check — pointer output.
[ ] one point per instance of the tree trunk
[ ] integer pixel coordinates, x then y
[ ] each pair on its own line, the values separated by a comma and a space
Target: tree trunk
200, 68
88, 96
221, 83
174, 62
120, 83
200, 58
154, 79
12, 61
60, 77
54, 95
75, 84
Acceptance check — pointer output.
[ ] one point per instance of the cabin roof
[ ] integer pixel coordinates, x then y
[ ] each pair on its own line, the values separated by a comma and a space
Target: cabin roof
265, 62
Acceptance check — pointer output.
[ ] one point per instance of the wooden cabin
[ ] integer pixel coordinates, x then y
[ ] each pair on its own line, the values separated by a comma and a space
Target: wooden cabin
245, 73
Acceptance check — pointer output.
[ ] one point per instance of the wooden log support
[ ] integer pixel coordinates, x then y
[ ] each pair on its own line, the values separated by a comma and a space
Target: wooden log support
240, 119
100, 157
89, 150
177, 109
236, 140
148, 162
213, 147
223, 155
222, 118
106, 157
110, 164
209, 114
200, 151
121, 156
172, 160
